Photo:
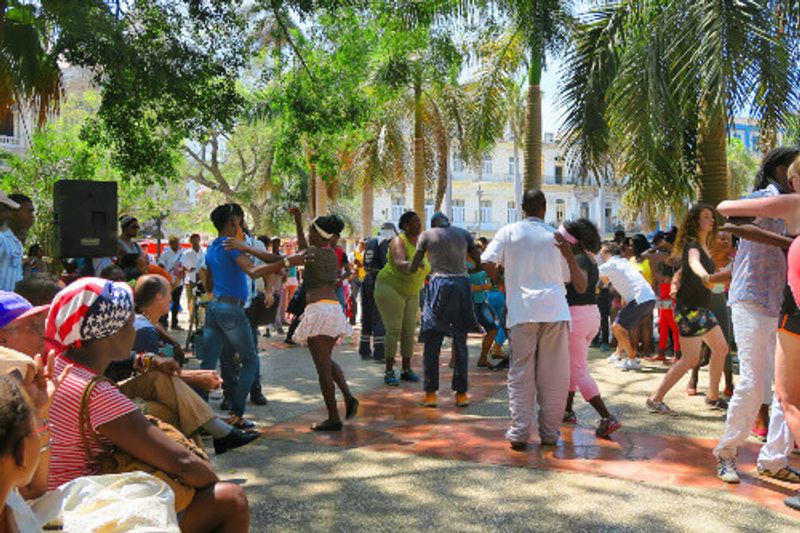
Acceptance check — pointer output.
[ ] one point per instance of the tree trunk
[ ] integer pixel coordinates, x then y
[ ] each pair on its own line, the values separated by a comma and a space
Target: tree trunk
712, 158
312, 191
321, 194
367, 208
533, 124
419, 153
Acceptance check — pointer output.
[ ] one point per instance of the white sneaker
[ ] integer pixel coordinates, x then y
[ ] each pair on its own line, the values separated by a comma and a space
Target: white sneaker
726, 470
631, 364
620, 363
613, 359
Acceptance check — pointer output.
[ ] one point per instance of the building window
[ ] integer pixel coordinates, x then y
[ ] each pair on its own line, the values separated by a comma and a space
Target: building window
512, 166
549, 137
398, 208
559, 175
584, 209
511, 212
607, 215
561, 210
458, 164
486, 210
487, 165
7, 124
458, 211
428, 212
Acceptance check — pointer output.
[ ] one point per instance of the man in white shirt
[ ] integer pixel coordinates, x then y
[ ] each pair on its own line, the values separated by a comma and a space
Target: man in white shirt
639, 301
537, 263
192, 260
19, 220
170, 261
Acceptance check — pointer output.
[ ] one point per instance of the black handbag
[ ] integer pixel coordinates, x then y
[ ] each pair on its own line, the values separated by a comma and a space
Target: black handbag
258, 313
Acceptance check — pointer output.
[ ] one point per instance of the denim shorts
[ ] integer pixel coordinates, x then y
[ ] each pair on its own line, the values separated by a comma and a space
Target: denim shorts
485, 316
630, 316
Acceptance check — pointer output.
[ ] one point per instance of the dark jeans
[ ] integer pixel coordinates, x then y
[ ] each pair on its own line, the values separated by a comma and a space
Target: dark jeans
372, 329
227, 331
433, 348
604, 304
175, 306
229, 371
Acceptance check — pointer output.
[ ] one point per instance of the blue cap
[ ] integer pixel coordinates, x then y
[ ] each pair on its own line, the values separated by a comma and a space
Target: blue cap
12, 306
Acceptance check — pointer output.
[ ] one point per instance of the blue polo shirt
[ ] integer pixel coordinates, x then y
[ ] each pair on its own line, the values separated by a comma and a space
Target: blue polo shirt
229, 279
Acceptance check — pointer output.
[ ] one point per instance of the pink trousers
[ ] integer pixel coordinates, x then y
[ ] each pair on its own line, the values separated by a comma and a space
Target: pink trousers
585, 325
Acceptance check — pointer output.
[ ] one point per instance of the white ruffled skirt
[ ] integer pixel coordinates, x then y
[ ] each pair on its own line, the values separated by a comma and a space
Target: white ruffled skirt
323, 318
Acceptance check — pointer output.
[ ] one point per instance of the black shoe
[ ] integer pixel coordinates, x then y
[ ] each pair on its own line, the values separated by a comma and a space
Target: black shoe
327, 425
239, 422
518, 446
235, 439
290, 342
258, 399
225, 405
267, 334
352, 408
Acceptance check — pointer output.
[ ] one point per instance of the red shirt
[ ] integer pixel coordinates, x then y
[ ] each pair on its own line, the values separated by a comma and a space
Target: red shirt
68, 459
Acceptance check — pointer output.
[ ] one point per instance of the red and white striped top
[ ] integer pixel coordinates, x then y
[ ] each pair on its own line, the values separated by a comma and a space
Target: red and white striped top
68, 458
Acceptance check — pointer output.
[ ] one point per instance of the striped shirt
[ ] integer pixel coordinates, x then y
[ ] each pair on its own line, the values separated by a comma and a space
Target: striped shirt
11, 253
68, 459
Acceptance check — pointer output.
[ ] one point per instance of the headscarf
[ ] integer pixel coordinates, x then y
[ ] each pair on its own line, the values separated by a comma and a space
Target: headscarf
88, 309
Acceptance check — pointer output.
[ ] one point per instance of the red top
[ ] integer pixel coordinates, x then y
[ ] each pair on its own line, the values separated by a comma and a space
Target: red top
68, 459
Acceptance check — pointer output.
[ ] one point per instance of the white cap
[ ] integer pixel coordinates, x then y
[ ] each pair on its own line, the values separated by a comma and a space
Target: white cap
8, 202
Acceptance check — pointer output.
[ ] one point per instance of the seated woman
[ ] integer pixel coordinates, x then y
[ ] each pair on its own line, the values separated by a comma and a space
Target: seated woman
24, 442
90, 324
161, 382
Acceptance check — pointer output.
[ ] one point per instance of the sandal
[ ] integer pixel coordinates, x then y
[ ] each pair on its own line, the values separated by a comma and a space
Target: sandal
327, 425
351, 408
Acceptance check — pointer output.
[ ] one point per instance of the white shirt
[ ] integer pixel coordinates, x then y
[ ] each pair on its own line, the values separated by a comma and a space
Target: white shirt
170, 259
627, 280
535, 272
11, 253
192, 260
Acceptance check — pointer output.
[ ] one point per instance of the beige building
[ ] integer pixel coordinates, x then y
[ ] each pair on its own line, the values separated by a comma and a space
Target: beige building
484, 199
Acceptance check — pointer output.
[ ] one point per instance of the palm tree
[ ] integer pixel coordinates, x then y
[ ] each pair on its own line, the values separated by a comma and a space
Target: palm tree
654, 84
29, 73
525, 33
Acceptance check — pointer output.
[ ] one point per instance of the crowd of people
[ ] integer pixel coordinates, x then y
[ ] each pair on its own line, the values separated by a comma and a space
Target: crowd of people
94, 382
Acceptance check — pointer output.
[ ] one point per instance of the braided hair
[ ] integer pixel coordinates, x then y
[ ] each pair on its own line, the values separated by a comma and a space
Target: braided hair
781, 156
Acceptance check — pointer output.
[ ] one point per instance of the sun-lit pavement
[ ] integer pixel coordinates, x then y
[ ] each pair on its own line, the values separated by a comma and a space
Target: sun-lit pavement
398, 466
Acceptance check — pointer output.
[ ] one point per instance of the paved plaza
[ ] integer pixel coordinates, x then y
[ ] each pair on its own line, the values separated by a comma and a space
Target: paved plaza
401, 467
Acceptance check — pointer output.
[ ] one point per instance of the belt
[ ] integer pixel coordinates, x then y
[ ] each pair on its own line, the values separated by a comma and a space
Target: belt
228, 300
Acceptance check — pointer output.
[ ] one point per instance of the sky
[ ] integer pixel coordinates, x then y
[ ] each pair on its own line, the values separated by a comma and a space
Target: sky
549, 87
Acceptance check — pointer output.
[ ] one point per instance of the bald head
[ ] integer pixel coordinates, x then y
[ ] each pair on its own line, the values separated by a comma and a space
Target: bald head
534, 203
150, 289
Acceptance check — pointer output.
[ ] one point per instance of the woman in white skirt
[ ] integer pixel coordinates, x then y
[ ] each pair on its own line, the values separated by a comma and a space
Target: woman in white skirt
324, 321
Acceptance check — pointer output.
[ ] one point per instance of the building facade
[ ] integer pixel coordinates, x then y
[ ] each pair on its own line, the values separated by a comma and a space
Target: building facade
484, 199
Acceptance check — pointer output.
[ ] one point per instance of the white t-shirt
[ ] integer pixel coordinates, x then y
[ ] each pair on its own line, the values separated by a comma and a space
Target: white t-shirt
627, 280
535, 272
192, 260
170, 260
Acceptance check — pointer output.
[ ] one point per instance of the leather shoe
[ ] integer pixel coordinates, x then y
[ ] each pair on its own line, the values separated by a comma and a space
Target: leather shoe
258, 399
235, 439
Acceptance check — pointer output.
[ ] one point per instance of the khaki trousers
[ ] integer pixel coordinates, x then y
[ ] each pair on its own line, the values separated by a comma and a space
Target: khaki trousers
169, 399
539, 371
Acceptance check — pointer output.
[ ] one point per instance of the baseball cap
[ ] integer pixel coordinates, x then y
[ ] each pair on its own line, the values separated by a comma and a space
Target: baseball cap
13, 306
8, 202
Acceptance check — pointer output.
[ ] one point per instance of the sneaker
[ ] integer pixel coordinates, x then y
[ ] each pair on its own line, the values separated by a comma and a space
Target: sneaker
519, 446
462, 400
726, 470
613, 359
718, 404
429, 400
787, 474
570, 418
258, 399
606, 427
632, 364
390, 379
659, 408
239, 422
620, 363
409, 375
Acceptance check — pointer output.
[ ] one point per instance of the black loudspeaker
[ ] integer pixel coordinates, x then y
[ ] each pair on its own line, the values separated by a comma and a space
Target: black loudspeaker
85, 218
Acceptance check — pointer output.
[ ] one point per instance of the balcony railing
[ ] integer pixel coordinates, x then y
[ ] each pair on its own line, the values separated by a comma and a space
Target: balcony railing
6, 140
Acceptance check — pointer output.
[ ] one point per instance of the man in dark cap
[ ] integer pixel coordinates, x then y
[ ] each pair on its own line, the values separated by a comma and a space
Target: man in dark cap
448, 309
372, 328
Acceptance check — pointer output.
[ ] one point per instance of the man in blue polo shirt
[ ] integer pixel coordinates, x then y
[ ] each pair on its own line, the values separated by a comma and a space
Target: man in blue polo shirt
227, 328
